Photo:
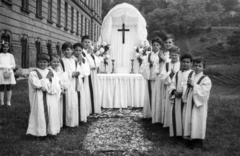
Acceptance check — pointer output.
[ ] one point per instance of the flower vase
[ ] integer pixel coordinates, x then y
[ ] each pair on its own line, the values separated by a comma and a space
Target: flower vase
105, 68
140, 63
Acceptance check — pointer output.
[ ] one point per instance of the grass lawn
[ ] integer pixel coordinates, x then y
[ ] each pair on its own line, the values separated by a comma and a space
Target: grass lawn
223, 130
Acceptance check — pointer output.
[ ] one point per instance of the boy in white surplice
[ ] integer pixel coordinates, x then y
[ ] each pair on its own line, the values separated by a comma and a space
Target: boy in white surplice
196, 104
176, 91
93, 82
44, 91
72, 103
171, 67
151, 69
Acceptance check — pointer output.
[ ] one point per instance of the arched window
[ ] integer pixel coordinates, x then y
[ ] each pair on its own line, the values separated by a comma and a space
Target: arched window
77, 23
86, 22
25, 51
89, 27
58, 48
6, 37
49, 47
38, 47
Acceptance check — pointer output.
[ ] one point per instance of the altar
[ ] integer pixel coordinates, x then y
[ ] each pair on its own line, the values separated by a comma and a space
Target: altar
122, 90
123, 28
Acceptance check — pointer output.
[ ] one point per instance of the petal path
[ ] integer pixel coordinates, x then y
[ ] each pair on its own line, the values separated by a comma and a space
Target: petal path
117, 130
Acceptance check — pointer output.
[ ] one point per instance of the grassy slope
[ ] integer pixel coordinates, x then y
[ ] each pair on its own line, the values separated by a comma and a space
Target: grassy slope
220, 55
223, 130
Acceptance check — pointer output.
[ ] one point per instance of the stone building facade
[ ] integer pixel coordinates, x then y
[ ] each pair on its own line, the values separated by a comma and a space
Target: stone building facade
36, 26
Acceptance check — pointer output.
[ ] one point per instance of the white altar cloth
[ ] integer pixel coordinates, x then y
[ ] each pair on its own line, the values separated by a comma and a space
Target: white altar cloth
122, 90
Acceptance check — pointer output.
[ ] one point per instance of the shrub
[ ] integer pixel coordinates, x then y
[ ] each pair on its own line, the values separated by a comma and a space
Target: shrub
234, 40
203, 39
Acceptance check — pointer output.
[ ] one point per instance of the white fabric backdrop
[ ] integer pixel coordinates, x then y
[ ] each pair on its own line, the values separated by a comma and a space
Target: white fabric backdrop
122, 90
133, 20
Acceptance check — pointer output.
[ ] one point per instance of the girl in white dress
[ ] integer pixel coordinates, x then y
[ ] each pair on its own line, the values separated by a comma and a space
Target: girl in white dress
7, 79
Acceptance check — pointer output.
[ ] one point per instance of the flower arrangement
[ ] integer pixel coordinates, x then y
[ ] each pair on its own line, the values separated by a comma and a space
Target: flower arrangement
103, 50
142, 50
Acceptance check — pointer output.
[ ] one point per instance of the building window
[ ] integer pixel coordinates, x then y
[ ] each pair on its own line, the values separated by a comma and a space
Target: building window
38, 48
86, 26
39, 9
24, 7
58, 48
25, 52
77, 23
49, 47
50, 11
97, 32
72, 19
94, 31
97, 7
59, 13
81, 25
89, 27
66, 16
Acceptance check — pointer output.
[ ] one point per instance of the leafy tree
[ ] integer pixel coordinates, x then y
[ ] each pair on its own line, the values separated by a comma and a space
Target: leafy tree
229, 5
174, 16
182, 17
150, 5
234, 39
107, 5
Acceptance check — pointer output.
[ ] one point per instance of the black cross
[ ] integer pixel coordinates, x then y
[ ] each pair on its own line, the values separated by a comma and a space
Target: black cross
123, 32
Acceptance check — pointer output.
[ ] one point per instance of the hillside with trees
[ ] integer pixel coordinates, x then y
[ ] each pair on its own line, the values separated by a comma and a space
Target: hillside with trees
192, 22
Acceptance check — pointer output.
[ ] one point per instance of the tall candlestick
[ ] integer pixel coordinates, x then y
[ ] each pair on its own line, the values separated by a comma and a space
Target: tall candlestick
132, 70
113, 70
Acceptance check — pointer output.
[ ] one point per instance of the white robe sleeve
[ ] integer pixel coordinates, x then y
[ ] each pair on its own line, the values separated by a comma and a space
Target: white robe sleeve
43, 84
85, 68
12, 64
98, 60
64, 80
172, 87
156, 67
145, 69
4, 65
90, 61
35, 81
201, 92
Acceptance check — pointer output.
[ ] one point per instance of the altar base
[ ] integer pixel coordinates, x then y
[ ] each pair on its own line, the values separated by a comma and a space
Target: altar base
122, 90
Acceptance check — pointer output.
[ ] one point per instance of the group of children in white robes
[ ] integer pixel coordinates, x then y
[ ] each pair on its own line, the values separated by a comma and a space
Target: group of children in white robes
63, 91
176, 96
